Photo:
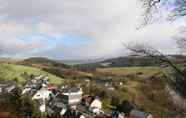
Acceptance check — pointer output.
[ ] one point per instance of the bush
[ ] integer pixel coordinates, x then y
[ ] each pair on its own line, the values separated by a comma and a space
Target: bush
115, 101
125, 107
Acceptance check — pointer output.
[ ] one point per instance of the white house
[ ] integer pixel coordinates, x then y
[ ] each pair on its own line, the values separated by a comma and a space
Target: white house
26, 90
72, 96
42, 108
96, 106
42, 94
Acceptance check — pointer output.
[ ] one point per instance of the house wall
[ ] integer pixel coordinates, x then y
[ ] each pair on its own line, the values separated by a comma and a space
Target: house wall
72, 98
96, 104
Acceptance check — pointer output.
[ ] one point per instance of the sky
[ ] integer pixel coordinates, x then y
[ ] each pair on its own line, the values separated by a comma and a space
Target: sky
80, 29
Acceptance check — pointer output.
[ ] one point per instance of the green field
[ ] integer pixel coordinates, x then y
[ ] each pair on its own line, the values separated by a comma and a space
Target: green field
147, 71
15, 71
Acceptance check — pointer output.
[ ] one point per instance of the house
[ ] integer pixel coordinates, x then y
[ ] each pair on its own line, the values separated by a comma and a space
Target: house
96, 106
57, 101
118, 115
87, 100
56, 106
72, 95
110, 88
139, 114
86, 79
70, 113
26, 90
7, 86
42, 107
30, 89
42, 94
51, 87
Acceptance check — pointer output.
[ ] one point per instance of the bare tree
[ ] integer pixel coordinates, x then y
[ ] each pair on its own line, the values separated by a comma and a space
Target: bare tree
180, 38
177, 10
146, 50
178, 83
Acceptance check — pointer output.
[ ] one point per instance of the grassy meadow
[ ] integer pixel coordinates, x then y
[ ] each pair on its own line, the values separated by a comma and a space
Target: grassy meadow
146, 71
15, 71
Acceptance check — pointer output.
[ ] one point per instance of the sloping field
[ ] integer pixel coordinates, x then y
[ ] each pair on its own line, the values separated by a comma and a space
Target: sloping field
15, 71
147, 71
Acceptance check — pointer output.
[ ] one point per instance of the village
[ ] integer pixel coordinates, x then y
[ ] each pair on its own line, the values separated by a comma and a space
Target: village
66, 101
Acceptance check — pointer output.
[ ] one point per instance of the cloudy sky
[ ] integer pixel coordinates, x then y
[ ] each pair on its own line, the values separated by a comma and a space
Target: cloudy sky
79, 29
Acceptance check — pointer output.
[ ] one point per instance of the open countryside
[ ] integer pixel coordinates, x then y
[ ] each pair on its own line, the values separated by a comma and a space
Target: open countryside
92, 58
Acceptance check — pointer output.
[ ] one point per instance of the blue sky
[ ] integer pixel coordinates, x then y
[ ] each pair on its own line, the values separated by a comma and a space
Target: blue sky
50, 41
83, 29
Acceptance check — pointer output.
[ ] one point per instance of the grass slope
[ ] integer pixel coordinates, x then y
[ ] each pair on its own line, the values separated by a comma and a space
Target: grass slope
147, 71
15, 71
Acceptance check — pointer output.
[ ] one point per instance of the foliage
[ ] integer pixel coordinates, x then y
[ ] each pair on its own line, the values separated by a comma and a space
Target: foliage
125, 107
15, 99
179, 82
29, 108
4, 69
22, 105
146, 71
115, 101
43, 62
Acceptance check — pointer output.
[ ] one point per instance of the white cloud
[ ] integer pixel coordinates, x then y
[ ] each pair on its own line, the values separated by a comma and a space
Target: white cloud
105, 23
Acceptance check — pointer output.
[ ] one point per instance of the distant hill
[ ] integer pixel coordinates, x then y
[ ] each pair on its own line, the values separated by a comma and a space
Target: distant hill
52, 66
130, 61
43, 62
83, 61
9, 60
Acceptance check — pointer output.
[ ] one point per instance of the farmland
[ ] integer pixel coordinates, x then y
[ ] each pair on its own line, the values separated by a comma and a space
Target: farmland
15, 71
146, 71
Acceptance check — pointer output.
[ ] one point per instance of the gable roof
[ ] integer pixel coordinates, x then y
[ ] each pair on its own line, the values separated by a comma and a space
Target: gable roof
7, 83
138, 114
72, 90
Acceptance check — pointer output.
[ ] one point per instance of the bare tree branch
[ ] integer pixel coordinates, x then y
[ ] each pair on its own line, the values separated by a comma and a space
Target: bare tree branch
145, 49
177, 10
180, 38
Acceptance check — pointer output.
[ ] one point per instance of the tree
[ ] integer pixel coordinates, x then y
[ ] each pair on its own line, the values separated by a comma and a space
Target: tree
178, 83
4, 71
23, 105
180, 38
125, 107
151, 6
115, 101
29, 108
15, 99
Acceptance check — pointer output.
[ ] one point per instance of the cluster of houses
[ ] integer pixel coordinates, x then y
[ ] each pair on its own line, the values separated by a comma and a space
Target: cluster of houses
57, 101
107, 83
66, 101
133, 114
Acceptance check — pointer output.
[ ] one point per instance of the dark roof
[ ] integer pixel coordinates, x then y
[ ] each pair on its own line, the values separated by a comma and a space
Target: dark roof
7, 83
138, 114
72, 114
58, 98
118, 115
71, 89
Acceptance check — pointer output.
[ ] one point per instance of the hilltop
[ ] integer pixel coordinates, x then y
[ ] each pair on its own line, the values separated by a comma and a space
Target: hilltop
129, 61
42, 62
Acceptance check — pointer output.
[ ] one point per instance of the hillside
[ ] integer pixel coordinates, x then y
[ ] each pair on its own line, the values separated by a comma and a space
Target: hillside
15, 71
129, 61
124, 71
42, 62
